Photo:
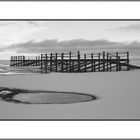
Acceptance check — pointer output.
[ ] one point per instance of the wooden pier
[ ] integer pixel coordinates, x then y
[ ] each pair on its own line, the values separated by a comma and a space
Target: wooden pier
75, 62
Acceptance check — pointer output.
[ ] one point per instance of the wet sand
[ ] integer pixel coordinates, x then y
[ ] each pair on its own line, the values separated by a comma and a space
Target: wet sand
118, 95
15, 95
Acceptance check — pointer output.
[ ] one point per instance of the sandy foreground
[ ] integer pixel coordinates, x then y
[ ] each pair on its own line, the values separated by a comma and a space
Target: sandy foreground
118, 95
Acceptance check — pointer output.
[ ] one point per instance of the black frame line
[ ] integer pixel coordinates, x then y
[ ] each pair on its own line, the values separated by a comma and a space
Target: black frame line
69, 119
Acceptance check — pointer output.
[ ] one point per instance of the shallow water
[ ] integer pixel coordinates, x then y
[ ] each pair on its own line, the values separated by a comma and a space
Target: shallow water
52, 98
43, 97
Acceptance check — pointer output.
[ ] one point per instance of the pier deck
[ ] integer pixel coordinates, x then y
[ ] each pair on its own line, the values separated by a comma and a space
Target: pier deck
75, 62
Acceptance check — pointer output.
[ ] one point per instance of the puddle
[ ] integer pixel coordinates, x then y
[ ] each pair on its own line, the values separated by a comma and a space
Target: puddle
43, 97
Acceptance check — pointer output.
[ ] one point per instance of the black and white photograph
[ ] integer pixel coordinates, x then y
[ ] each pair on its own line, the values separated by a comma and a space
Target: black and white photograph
69, 69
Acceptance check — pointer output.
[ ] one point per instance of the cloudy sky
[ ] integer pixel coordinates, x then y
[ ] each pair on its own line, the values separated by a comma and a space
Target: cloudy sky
35, 37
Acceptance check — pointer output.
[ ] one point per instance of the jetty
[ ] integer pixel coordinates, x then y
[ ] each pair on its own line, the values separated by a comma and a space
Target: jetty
75, 62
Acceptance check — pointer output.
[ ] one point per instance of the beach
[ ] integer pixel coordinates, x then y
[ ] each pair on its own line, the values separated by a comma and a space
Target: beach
117, 93
69, 69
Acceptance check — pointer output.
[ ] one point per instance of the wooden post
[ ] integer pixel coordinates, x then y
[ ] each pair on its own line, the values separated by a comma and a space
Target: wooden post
36, 60
20, 61
11, 60
107, 62
62, 57
16, 61
85, 62
116, 61
41, 63
56, 62
110, 64
72, 69
66, 63
119, 66
34, 63
78, 61
51, 62
128, 67
70, 61
99, 61
23, 60
46, 63
103, 61
92, 62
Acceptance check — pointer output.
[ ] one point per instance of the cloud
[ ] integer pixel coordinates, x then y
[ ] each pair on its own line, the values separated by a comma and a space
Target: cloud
54, 45
13, 32
60, 46
133, 27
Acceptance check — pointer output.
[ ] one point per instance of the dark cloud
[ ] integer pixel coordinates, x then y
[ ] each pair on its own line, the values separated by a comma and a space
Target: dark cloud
70, 45
133, 27
55, 45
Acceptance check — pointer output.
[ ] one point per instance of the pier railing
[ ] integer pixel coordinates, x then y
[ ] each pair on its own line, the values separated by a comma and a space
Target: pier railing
75, 62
